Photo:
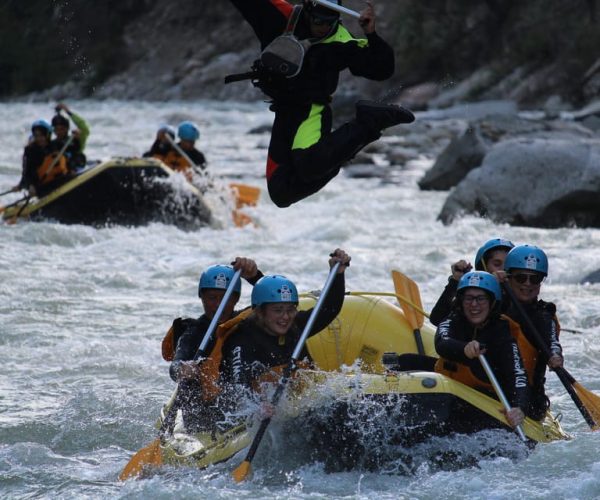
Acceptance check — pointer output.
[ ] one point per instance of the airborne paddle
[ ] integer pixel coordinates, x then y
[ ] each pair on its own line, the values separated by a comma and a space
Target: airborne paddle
242, 471
586, 401
499, 392
151, 454
404, 286
338, 8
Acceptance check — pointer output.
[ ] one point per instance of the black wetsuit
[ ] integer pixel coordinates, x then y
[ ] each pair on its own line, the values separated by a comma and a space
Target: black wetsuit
304, 155
502, 354
543, 316
251, 351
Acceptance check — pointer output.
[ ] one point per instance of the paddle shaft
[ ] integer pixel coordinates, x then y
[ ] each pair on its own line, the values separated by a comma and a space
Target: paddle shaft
564, 376
499, 392
338, 8
6, 192
57, 157
291, 366
180, 150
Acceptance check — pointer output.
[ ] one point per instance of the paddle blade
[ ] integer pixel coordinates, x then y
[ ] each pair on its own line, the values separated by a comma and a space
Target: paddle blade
245, 195
242, 471
148, 456
410, 299
591, 402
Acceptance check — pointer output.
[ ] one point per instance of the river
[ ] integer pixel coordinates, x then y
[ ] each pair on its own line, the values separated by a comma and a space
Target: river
83, 311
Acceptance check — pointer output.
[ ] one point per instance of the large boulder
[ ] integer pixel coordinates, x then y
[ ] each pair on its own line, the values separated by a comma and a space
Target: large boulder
467, 150
533, 182
462, 155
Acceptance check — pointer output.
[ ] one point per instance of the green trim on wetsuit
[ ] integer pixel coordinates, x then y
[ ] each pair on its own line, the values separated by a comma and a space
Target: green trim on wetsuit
342, 35
309, 131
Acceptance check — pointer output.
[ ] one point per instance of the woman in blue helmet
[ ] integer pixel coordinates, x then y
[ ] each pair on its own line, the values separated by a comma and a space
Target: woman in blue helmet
269, 336
490, 257
475, 327
526, 268
185, 335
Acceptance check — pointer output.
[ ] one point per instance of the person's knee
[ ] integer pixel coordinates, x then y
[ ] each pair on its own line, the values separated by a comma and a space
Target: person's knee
279, 197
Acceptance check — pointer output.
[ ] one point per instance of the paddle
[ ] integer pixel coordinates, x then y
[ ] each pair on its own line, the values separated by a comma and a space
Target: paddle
404, 286
151, 454
11, 190
242, 471
586, 401
195, 167
2, 209
499, 393
338, 8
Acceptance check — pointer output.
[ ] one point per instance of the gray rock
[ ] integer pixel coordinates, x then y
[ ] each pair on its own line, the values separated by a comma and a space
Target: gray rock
536, 182
462, 155
592, 278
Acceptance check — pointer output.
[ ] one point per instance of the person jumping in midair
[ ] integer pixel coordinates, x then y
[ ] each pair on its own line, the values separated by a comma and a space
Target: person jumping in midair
304, 153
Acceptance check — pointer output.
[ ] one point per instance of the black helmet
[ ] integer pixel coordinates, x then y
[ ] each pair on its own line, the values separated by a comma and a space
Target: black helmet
58, 120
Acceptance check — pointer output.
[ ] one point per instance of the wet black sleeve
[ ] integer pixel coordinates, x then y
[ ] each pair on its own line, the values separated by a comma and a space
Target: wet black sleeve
374, 61
189, 340
505, 360
268, 18
253, 280
31, 161
443, 306
448, 344
330, 308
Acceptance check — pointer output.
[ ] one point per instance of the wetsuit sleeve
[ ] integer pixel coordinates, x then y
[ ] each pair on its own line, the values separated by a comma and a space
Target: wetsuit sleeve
374, 61
446, 343
550, 327
253, 281
268, 18
330, 308
197, 158
187, 345
443, 306
84, 129
507, 364
31, 161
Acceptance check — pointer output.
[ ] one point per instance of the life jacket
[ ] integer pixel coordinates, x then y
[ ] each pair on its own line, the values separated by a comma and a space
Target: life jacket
209, 375
461, 373
51, 168
275, 373
529, 353
177, 162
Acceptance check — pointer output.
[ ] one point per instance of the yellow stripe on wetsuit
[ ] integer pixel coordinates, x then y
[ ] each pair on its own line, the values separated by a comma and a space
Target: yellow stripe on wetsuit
309, 131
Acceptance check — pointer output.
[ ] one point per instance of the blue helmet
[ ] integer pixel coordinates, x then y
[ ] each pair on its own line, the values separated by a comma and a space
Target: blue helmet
527, 257
483, 280
493, 244
43, 124
168, 129
188, 131
218, 277
275, 288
